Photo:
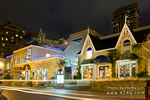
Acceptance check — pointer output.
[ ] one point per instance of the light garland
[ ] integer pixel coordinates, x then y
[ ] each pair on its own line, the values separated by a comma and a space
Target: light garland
147, 51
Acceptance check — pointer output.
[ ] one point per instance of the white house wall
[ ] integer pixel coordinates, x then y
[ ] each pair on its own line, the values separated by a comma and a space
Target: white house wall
39, 52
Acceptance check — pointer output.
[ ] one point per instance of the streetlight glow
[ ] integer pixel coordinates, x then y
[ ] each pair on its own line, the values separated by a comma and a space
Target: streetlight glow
1, 65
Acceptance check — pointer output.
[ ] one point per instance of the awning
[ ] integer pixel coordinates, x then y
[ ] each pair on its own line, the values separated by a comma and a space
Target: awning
132, 56
87, 61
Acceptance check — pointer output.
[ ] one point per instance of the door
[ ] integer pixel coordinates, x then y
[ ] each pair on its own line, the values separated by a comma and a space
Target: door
103, 71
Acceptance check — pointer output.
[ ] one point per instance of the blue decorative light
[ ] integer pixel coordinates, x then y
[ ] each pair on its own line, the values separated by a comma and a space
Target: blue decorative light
29, 42
9, 56
74, 42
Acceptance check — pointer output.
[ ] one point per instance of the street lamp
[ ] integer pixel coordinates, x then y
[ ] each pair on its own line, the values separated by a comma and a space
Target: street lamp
60, 77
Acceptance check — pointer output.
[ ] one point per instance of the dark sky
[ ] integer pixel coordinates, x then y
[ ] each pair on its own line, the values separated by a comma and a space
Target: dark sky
59, 18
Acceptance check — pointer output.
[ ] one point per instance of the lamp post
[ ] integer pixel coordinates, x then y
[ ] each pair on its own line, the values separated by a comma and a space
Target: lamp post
60, 77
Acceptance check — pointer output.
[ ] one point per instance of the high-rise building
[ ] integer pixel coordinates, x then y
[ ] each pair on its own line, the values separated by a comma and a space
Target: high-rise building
10, 37
132, 13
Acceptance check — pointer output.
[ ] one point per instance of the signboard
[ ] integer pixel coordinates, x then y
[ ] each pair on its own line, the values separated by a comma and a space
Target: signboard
28, 53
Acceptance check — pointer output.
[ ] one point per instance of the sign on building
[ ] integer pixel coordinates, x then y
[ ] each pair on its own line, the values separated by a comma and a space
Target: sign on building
28, 53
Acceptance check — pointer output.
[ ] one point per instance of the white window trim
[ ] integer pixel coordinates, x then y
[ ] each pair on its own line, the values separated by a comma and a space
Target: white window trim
86, 53
123, 45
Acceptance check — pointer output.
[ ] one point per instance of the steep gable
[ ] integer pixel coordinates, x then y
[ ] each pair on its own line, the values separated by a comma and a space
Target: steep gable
126, 32
87, 40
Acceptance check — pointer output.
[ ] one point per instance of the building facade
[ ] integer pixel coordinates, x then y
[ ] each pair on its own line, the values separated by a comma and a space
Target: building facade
10, 35
36, 62
133, 16
124, 54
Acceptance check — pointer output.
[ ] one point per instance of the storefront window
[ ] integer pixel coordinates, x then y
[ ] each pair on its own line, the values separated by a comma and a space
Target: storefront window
35, 74
44, 73
89, 72
125, 69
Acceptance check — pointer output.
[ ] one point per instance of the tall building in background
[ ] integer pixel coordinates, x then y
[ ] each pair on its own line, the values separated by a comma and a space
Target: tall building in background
133, 17
10, 38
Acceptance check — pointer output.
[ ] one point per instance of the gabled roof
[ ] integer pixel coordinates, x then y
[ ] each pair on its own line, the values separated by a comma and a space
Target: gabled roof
106, 43
141, 33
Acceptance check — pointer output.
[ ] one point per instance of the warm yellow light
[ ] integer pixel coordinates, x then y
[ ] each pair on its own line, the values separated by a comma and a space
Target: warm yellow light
66, 42
1, 65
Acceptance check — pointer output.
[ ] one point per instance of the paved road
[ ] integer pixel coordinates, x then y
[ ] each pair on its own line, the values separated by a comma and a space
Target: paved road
18, 93
14, 95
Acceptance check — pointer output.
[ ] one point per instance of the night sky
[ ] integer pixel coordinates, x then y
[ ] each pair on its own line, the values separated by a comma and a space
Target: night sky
59, 18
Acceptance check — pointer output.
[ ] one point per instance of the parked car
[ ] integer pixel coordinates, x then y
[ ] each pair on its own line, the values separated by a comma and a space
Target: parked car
2, 97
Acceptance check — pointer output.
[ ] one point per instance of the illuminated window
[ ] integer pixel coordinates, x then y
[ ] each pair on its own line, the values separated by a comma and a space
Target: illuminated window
24, 60
16, 35
6, 39
2, 38
2, 53
67, 63
18, 61
7, 66
89, 53
20, 36
6, 32
23, 31
3, 45
12, 37
74, 62
126, 47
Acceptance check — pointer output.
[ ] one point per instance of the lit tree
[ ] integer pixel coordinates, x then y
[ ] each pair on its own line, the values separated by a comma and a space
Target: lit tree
41, 38
61, 65
46, 68
60, 41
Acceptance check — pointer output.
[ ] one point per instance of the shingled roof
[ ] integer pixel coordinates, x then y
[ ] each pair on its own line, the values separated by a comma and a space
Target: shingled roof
107, 43
140, 34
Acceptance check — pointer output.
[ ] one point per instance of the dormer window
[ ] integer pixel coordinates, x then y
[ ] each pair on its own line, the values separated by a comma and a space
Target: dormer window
89, 53
126, 47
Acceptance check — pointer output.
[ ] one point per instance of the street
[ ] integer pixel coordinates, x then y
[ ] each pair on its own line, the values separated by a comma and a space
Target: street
20, 93
14, 95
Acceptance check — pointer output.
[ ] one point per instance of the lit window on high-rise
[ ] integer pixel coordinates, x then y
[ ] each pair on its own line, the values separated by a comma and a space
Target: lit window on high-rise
6, 39
12, 37
2, 38
16, 35
6, 32
20, 36
3, 45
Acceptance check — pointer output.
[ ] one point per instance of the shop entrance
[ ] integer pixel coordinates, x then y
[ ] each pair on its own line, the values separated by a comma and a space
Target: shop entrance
27, 75
103, 71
